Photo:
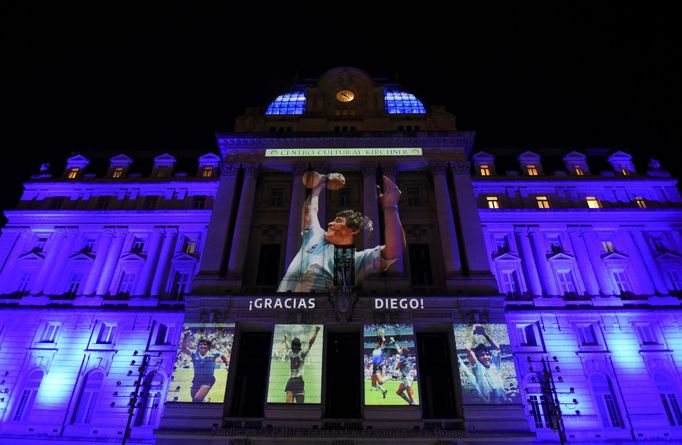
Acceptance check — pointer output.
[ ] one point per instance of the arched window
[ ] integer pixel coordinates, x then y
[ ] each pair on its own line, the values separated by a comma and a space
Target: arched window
669, 397
28, 396
150, 400
87, 399
607, 403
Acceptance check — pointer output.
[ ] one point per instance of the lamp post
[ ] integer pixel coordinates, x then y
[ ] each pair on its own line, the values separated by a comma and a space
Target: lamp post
135, 395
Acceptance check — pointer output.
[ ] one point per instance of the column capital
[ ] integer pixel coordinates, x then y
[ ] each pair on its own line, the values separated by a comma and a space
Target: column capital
438, 168
229, 169
523, 230
250, 169
461, 167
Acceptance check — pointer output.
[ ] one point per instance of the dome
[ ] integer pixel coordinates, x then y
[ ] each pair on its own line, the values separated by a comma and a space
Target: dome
402, 102
287, 103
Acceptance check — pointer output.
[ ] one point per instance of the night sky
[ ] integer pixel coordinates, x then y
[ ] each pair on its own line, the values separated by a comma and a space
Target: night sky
167, 78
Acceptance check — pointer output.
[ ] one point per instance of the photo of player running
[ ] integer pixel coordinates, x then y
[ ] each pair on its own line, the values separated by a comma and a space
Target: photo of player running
390, 363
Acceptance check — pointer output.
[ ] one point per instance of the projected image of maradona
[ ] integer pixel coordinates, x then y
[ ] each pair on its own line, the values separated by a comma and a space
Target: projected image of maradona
313, 267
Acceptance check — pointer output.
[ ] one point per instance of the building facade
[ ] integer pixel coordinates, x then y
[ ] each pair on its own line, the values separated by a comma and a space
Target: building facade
502, 295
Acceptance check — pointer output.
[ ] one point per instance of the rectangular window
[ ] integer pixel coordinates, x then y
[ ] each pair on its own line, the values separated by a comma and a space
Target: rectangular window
501, 244
593, 202
484, 170
73, 173
150, 202
49, 334
117, 172
528, 334
207, 172
420, 265
588, 335
268, 264
675, 279
88, 245
540, 410
641, 202
624, 171
189, 245
40, 244
510, 283
566, 282
138, 245
493, 203
102, 202
276, 197
105, 336
180, 284
647, 334
163, 335
543, 202
74, 284
578, 170
125, 286
199, 202
607, 246
532, 169
613, 410
622, 282
56, 203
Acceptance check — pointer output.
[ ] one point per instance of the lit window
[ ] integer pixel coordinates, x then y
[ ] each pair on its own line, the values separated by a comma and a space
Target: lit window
49, 334
593, 202
578, 170
105, 336
647, 334
607, 246
117, 172
207, 172
624, 171
493, 203
532, 169
87, 400
189, 245
288, 103
199, 202
401, 102
73, 173
543, 202
641, 203
484, 170
28, 396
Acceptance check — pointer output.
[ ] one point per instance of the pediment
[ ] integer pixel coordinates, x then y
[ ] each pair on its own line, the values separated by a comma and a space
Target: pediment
133, 256
615, 256
668, 256
184, 257
121, 160
483, 156
528, 156
574, 156
164, 160
32, 256
77, 161
558, 256
619, 156
209, 159
506, 256
81, 256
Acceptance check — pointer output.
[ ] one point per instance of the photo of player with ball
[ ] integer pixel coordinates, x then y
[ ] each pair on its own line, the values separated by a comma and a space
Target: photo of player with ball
390, 363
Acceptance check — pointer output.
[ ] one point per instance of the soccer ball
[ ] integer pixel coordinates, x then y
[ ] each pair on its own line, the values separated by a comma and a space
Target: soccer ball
380, 332
335, 181
310, 179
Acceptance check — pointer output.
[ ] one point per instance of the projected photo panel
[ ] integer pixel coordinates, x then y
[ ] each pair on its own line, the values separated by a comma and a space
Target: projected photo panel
486, 364
203, 359
296, 364
390, 360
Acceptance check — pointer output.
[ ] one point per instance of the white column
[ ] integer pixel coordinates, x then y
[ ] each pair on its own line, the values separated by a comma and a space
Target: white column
15, 244
111, 263
144, 281
544, 269
649, 262
529, 266
600, 272
214, 249
58, 238
55, 279
242, 228
165, 257
584, 264
677, 238
446, 221
370, 205
293, 241
390, 171
101, 252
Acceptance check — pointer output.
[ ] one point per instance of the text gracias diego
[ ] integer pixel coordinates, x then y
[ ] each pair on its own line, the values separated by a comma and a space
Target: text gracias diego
310, 303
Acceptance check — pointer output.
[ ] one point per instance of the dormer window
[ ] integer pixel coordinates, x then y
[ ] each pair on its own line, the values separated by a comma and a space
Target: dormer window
641, 202
73, 173
593, 202
624, 171
532, 169
493, 202
207, 172
543, 202
484, 169
117, 172
578, 170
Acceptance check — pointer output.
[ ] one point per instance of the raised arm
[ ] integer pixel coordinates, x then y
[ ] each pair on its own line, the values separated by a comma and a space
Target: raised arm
311, 205
185, 340
469, 345
286, 343
394, 236
481, 331
312, 339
